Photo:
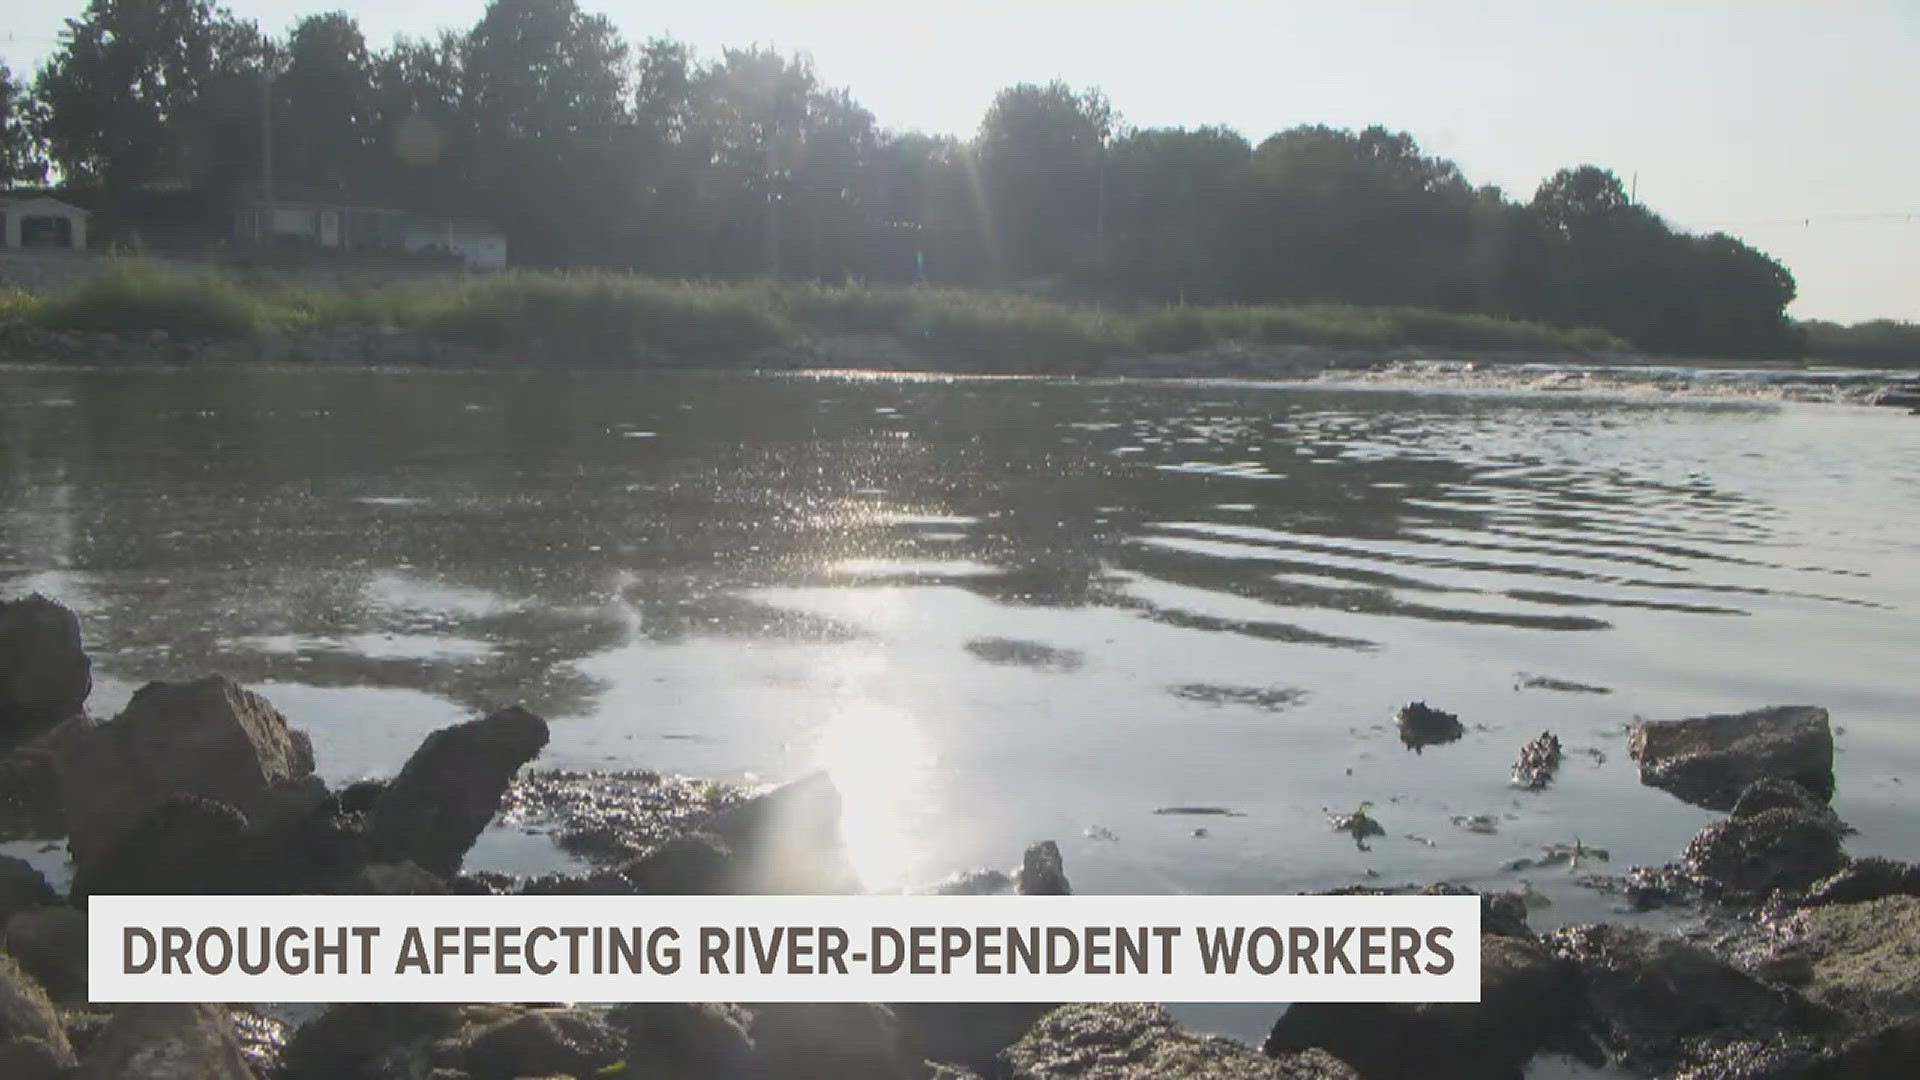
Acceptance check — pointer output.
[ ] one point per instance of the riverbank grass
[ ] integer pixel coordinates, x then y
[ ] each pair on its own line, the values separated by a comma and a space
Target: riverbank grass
617, 316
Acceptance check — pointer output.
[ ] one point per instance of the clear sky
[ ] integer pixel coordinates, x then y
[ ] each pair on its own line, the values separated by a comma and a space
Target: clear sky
1792, 125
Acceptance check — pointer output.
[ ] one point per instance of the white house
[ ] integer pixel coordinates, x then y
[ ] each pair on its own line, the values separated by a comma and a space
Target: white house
41, 222
338, 227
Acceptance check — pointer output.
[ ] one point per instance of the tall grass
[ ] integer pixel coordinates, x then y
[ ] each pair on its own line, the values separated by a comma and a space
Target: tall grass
624, 318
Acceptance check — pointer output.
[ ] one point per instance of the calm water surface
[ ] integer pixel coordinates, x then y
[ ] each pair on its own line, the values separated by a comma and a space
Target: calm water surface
1001, 611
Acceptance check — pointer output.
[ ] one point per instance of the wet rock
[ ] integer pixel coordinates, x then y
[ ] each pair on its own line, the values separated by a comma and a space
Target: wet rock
1500, 912
684, 1041
828, 1041
45, 675
1143, 1042
1528, 1003
167, 1042
1028, 654
1857, 962
21, 886
1359, 824
386, 1041
788, 840
30, 793
33, 1046
1710, 760
262, 1038
1265, 698
1525, 681
388, 879
1421, 725
1539, 760
187, 844
209, 738
543, 1042
974, 883
450, 788
969, 1034
1749, 857
51, 944
1773, 793
1870, 878
611, 817
1042, 872
1661, 1006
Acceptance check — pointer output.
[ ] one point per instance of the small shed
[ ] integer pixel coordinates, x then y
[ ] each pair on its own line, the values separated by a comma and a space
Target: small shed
42, 222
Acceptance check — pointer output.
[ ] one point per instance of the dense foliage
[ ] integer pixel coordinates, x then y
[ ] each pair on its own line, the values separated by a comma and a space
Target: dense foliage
590, 152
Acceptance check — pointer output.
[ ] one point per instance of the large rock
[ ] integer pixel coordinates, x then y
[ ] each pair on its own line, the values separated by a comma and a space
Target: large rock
167, 1042
1710, 760
788, 840
1143, 1042
208, 738
1859, 962
1661, 1006
450, 788
1870, 878
543, 1042
44, 674
1528, 1002
686, 1041
50, 942
32, 1044
827, 1041
968, 1034
1042, 872
365, 1041
1748, 857
21, 886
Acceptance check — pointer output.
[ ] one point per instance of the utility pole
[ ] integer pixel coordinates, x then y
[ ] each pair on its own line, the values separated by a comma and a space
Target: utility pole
266, 223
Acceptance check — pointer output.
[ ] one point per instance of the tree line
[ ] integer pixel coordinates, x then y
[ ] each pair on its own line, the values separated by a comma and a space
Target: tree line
589, 151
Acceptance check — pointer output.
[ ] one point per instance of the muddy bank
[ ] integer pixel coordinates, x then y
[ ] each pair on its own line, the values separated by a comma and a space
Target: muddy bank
1797, 962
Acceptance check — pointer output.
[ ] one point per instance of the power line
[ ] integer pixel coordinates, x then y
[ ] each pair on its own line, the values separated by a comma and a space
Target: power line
1807, 221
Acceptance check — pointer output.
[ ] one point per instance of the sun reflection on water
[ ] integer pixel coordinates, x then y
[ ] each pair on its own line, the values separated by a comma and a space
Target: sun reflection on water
883, 764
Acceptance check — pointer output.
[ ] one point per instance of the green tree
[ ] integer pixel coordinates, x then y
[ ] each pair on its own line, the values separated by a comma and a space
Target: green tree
1168, 208
1042, 150
21, 160
143, 90
327, 127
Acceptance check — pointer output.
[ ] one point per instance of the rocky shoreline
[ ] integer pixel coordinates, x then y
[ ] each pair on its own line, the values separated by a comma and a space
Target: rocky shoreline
1802, 964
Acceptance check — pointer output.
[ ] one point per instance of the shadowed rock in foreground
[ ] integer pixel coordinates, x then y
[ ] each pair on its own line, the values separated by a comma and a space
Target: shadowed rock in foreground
451, 787
45, 676
209, 738
1143, 1042
1710, 760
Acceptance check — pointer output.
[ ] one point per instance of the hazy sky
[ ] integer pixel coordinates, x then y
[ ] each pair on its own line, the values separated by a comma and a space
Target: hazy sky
1750, 116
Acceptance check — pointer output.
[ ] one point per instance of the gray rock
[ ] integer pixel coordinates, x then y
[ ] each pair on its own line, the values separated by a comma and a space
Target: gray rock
1710, 760
1661, 1006
51, 944
45, 675
685, 1041
21, 886
1528, 1003
1748, 858
1870, 878
33, 1046
827, 1041
167, 1042
788, 840
1421, 725
1042, 872
543, 1042
209, 738
364, 1041
1539, 760
1142, 1042
1857, 961
968, 1034
450, 788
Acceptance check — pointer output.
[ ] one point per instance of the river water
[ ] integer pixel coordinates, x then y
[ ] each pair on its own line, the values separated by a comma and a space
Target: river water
1006, 610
